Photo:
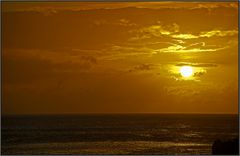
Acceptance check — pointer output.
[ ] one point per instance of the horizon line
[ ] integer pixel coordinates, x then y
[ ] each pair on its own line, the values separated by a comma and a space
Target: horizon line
121, 113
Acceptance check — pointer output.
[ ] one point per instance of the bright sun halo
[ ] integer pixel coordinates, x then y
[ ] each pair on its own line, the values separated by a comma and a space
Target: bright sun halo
186, 71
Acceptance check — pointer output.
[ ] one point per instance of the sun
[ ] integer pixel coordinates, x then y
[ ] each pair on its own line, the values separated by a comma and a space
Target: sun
186, 71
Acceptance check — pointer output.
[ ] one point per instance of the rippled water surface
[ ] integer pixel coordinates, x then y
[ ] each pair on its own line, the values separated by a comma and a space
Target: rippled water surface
115, 134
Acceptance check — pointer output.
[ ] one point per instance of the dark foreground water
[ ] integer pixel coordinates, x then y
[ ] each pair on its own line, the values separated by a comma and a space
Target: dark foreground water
115, 134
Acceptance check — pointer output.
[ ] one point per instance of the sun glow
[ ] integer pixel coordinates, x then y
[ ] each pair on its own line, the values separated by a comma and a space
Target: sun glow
186, 71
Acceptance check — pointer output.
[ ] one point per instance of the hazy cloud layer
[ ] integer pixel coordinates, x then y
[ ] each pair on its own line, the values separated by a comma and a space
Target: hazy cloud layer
54, 7
119, 57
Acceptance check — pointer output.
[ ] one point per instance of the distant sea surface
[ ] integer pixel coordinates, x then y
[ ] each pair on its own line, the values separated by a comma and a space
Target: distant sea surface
115, 134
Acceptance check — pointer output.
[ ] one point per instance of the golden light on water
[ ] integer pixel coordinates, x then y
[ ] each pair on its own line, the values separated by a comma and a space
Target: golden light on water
186, 71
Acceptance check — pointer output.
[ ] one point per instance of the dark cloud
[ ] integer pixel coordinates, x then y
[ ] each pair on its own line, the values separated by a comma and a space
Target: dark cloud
197, 64
89, 59
20, 67
197, 74
142, 67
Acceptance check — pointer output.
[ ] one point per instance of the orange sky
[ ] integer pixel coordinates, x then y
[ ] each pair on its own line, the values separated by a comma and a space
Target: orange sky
119, 57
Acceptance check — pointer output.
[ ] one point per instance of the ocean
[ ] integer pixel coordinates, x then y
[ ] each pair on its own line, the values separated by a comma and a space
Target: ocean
115, 133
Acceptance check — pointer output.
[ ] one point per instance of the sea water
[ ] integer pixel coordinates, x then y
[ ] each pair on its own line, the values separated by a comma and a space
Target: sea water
115, 133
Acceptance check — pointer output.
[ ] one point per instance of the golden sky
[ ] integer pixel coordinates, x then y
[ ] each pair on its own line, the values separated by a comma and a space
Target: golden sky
126, 57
